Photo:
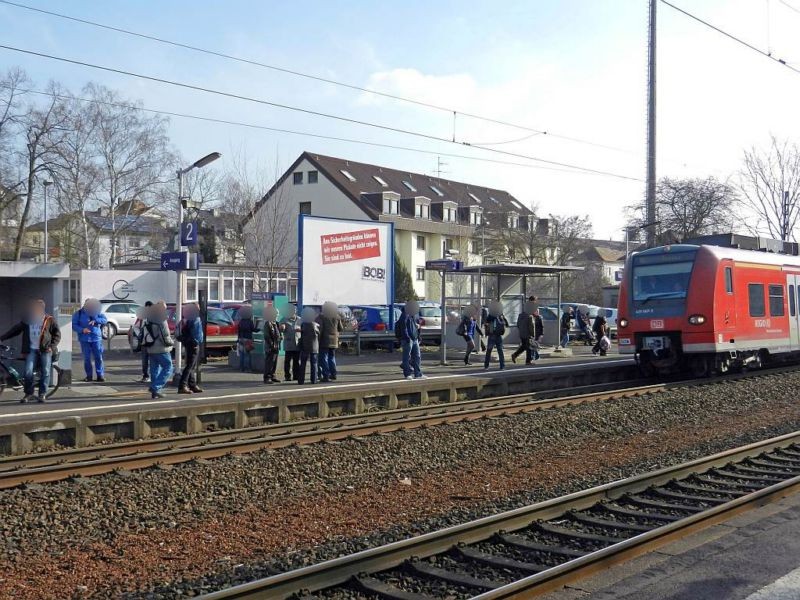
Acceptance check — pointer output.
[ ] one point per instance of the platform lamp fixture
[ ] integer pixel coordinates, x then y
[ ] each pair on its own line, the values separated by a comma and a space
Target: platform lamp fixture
206, 160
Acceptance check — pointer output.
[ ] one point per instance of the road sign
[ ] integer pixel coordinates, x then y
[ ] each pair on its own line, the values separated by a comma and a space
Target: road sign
189, 233
174, 261
444, 264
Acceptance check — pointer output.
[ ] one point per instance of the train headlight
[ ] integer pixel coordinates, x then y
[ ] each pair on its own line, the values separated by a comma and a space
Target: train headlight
697, 319
622, 323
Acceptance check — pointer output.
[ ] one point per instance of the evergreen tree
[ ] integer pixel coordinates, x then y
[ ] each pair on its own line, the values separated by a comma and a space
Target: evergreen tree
403, 285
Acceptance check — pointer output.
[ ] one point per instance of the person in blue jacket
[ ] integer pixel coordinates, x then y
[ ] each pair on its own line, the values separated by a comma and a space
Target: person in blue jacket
88, 323
409, 341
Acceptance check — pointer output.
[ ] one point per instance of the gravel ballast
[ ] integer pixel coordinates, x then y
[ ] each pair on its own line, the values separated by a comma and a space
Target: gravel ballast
200, 526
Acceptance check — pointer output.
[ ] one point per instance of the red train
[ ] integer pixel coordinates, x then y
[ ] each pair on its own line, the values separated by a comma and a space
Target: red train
708, 309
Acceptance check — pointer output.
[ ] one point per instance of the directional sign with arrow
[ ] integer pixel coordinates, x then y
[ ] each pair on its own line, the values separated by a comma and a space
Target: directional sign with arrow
174, 261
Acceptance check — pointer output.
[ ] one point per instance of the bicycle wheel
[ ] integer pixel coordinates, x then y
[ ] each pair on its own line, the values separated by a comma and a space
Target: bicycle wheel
55, 381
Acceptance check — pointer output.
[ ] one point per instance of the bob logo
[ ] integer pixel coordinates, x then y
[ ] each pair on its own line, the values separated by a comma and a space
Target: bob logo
762, 323
657, 324
373, 273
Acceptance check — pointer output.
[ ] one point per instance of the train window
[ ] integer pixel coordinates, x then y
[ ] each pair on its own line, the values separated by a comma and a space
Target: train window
776, 304
729, 280
791, 301
755, 292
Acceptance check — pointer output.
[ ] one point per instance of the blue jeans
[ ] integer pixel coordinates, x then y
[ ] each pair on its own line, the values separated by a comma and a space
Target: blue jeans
160, 371
565, 340
306, 357
491, 343
93, 350
42, 360
412, 357
245, 360
327, 361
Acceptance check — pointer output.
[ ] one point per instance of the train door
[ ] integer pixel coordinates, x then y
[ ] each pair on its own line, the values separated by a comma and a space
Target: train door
726, 304
793, 291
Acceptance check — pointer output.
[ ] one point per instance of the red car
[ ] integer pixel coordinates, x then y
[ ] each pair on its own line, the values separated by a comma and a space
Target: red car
220, 329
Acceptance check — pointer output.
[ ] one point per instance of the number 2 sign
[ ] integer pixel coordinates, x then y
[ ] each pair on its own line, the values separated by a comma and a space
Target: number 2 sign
188, 233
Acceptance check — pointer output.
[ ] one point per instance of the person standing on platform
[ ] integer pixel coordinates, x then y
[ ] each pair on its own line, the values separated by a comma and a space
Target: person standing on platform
272, 343
309, 344
566, 326
89, 322
495, 329
330, 328
409, 336
159, 343
290, 328
135, 337
538, 333
190, 330
525, 327
245, 328
40, 338
600, 328
468, 329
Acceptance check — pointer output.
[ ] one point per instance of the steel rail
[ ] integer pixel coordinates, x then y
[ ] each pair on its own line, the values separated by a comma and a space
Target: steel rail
340, 570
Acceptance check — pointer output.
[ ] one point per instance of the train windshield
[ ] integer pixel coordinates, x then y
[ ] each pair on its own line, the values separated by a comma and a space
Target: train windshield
662, 276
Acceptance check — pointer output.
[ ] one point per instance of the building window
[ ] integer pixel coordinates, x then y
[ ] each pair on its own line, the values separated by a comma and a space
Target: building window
380, 180
134, 242
776, 308
408, 185
298, 177
420, 273
513, 221
313, 176
422, 211
420, 242
473, 247
347, 174
449, 215
305, 208
447, 245
71, 292
755, 296
475, 217
437, 191
391, 206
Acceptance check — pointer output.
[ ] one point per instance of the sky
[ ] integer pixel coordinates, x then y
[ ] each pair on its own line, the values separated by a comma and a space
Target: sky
572, 68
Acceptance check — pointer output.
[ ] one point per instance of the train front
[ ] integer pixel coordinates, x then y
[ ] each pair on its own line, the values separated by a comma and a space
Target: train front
652, 306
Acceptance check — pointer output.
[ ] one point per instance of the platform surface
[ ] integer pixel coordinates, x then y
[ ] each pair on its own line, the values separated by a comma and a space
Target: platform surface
122, 390
754, 556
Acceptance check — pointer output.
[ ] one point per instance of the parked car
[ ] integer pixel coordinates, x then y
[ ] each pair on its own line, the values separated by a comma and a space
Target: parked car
220, 329
430, 315
120, 314
232, 308
374, 318
348, 319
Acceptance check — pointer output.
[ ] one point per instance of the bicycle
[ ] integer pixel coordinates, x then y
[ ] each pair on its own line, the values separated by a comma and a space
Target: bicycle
10, 377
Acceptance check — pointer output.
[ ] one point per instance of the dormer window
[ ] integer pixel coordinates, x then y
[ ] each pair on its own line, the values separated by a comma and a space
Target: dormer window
422, 210
474, 197
513, 220
347, 174
380, 180
437, 191
450, 212
391, 206
475, 218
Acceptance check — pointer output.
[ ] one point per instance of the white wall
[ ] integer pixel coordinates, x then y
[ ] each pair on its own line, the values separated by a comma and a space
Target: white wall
142, 285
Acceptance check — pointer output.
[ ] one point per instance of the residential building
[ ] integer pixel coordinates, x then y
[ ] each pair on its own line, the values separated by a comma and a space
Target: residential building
431, 215
606, 255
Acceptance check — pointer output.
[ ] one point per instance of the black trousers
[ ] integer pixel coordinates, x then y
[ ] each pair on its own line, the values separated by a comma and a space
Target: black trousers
270, 364
524, 346
291, 365
189, 373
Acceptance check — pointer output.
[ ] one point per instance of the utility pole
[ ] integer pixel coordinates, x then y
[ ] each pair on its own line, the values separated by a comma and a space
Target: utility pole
785, 233
439, 164
650, 199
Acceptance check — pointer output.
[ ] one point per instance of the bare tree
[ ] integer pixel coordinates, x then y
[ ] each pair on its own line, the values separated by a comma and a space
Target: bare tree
135, 156
770, 186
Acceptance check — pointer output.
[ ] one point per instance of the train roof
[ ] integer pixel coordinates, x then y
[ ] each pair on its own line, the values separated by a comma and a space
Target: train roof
736, 254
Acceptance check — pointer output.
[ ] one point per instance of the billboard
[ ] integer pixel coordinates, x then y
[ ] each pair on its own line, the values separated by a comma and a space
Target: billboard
345, 261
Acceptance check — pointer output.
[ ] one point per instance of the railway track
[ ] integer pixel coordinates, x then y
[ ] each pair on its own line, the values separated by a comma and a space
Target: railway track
539, 548
139, 454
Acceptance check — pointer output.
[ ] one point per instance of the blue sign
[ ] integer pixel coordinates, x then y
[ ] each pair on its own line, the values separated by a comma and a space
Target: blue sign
174, 261
444, 264
618, 275
188, 233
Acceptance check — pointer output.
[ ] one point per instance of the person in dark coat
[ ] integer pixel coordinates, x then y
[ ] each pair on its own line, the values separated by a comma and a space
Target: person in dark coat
538, 333
191, 334
330, 328
309, 344
137, 331
409, 342
495, 329
566, 325
468, 330
88, 323
525, 328
290, 328
600, 329
40, 338
272, 343
245, 328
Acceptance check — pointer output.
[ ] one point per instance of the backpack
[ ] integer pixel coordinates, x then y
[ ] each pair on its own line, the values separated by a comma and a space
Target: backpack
148, 337
182, 332
499, 326
136, 337
462, 328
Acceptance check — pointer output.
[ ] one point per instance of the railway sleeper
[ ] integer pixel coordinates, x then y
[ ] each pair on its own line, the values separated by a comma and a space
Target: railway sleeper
729, 483
499, 562
773, 472
425, 569
660, 504
763, 479
688, 487
774, 460
691, 498
566, 533
367, 584
524, 544
592, 520
653, 516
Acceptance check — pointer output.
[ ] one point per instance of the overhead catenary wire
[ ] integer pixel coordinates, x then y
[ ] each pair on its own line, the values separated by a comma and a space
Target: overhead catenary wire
319, 78
207, 119
308, 111
736, 39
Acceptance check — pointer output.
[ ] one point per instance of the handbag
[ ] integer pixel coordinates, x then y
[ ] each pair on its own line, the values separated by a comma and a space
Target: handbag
249, 345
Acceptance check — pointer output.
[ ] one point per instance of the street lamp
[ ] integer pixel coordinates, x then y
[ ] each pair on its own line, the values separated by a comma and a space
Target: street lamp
46, 185
208, 159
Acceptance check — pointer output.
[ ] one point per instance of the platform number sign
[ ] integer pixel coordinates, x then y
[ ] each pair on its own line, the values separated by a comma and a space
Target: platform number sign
189, 233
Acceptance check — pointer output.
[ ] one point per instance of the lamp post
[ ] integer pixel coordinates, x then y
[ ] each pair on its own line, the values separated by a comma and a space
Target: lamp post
209, 158
46, 185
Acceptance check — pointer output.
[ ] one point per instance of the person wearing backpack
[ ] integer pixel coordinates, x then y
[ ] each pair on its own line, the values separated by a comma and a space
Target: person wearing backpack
467, 329
136, 337
158, 342
88, 322
190, 330
495, 327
